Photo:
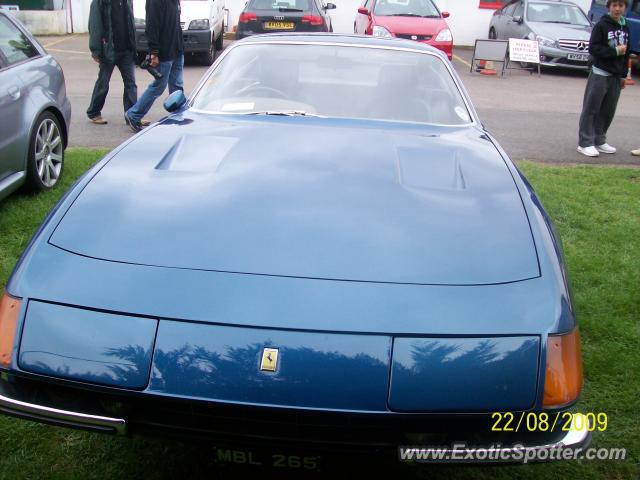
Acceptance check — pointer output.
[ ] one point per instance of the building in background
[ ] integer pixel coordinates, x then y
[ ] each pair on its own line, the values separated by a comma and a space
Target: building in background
469, 19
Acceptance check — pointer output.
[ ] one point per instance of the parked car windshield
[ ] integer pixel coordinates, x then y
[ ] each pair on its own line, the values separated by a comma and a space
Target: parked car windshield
334, 81
406, 8
556, 13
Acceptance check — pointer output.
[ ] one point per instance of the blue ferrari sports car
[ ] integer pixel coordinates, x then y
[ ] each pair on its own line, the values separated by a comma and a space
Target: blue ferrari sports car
321, 249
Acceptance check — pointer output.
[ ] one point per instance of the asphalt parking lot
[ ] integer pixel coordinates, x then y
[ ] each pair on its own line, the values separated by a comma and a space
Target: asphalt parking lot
534, 118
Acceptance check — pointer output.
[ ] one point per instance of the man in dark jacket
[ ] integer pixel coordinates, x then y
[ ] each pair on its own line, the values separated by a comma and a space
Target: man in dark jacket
609, 48
166, 55
112, 43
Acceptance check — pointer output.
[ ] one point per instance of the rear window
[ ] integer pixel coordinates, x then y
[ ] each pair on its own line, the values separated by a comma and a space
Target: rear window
408, 8
303, 5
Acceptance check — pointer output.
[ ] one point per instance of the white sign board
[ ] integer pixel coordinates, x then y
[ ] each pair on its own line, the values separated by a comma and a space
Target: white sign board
524, 50
11, 8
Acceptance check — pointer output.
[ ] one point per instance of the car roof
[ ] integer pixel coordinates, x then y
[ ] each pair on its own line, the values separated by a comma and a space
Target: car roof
341, 39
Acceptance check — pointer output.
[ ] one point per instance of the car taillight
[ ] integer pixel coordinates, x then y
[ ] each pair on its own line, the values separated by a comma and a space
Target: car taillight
563, 378
9, 308
312, 19
246, 17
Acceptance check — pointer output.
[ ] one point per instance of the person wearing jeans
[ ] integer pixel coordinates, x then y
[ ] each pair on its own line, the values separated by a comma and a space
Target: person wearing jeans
171, 71
112, 44
166, 55
609, 47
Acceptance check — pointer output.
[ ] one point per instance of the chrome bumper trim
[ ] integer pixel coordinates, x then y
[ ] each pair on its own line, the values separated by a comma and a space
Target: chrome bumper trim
17, 407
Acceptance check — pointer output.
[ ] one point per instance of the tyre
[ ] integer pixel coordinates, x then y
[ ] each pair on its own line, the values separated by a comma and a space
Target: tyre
46, 153
492, 34
209, 56
220, 39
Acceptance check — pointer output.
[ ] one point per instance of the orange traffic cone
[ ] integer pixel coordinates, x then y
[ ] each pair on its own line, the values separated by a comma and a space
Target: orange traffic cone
488, 69
480, 65
629, 80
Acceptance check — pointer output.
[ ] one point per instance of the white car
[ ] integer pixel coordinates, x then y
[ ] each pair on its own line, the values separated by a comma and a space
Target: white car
202, 23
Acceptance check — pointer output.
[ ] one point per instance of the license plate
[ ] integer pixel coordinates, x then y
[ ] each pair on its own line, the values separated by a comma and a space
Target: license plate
278, 25
581, 57
260, 458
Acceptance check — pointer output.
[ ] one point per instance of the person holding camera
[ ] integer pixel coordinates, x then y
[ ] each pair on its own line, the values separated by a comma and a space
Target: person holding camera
112, 44
609, 47
166, 57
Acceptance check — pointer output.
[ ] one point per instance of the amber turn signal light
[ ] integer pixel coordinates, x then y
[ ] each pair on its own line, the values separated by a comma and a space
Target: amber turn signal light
563, 379
9, 308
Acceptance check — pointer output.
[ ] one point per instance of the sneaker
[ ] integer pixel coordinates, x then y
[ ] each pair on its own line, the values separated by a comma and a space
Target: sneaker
133, 124
589, 151
605, 148
636, 152
98, 120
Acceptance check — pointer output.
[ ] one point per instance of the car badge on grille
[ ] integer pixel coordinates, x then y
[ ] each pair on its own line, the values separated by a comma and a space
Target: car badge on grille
269, 361
582, 46
414, 37
278, 17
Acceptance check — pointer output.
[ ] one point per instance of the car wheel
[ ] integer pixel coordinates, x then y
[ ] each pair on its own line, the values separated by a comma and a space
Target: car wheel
210, 55
220, 39
492, 34
46, 153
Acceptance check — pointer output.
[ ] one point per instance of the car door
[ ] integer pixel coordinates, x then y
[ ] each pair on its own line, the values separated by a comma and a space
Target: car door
362, 20
504, 20
633, 20
16, 51
514, 28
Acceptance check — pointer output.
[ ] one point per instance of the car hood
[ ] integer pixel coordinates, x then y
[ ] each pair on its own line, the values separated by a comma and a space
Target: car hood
303, 197
561, 31
421, 26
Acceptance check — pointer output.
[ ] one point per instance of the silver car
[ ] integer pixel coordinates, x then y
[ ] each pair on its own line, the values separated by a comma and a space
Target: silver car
561, 28
34, 111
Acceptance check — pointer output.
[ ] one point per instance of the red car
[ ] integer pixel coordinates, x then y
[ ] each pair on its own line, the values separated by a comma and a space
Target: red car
418, 20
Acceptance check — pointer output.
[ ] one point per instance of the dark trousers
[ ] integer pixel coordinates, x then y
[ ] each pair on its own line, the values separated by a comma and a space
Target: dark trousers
598, 108
125, 63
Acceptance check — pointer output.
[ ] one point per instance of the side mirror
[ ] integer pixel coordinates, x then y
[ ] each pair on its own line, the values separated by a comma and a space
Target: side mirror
330, 6
518, 19
446, 14
363, 11
175, 101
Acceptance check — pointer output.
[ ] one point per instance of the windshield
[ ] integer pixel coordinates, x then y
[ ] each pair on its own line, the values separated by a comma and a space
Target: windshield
556, 13
409, 8
333, 81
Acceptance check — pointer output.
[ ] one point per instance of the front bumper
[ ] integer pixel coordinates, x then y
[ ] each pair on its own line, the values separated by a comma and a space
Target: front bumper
194, 41
330, 432
556, 57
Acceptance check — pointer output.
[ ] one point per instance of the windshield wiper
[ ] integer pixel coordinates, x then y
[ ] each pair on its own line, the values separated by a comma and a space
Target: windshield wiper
405, 15
285, 113
285, 9
557, 21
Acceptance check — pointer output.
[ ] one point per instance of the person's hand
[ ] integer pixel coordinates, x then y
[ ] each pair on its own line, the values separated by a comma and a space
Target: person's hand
153, 60
622, 84
622, 49
96, 59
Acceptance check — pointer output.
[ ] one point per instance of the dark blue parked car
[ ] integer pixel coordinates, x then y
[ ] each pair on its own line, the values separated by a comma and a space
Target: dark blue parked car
599, 8
322, 249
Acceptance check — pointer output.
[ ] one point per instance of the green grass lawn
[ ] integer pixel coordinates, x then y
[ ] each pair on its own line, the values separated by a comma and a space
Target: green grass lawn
596, 211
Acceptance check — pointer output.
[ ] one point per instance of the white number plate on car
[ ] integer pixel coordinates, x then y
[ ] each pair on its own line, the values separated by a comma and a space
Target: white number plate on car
582, 57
